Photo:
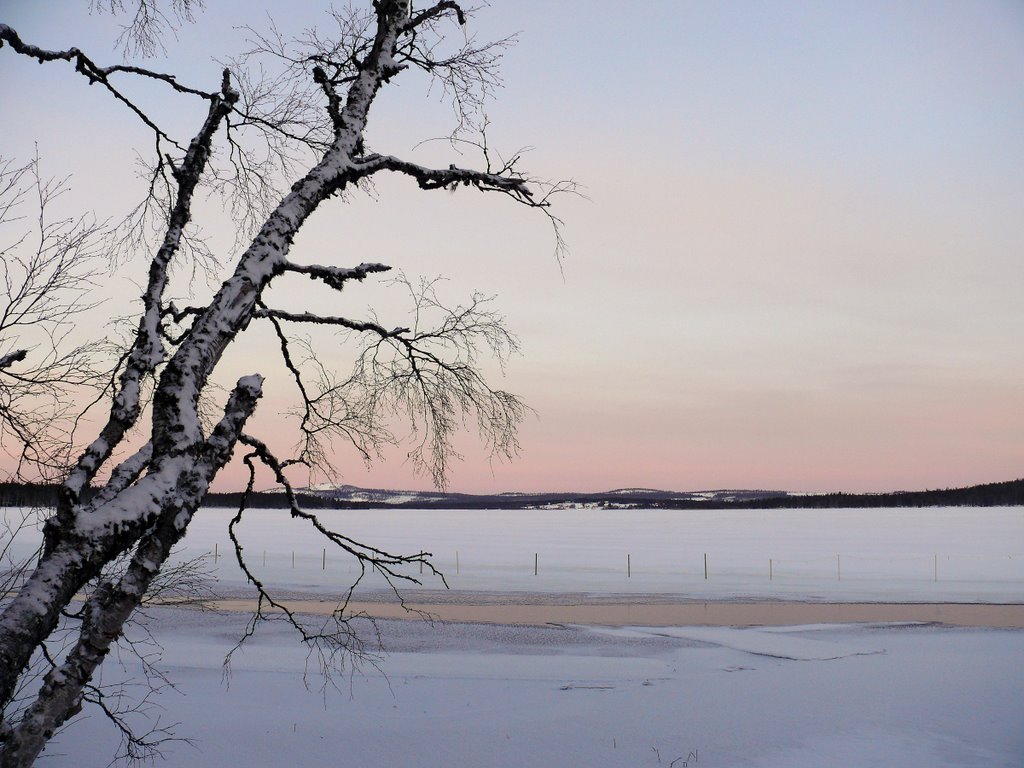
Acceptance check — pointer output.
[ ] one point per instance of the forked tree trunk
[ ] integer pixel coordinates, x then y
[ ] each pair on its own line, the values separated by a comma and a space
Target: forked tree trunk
149, 500
112, 604
160, 505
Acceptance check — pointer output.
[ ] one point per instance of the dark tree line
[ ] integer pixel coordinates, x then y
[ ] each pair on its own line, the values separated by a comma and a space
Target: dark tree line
1010, 493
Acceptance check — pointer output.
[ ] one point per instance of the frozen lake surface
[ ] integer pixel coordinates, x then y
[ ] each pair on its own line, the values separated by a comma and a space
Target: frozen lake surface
900, 695
897, 696
933, 554
961, 554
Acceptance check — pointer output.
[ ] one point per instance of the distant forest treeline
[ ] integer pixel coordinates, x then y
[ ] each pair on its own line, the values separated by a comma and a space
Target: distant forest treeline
1010, 493
32, 495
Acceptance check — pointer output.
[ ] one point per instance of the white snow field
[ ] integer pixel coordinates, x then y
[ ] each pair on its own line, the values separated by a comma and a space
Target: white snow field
961, 554
463, 694
898, 695
946, 554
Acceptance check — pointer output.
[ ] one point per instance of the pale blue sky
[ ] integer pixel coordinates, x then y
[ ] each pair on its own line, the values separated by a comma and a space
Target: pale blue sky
799, 265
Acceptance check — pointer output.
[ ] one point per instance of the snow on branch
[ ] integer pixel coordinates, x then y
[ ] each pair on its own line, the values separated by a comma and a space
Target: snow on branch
430, 373
158, 513
124, 474
147, 350
336, 277
452, 176
6, 361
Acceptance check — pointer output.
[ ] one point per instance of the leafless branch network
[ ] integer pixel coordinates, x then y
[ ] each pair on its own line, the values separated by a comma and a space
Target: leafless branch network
47, 267
283, 133
150, 23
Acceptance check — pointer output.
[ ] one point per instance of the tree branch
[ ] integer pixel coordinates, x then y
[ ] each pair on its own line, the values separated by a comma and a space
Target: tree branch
111, 604
343, 322
6, 361
97, 74
432, 178
429, 372
335, 277
336, 639
147, 350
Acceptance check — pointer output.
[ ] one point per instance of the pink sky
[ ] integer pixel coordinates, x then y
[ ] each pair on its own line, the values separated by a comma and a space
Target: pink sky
799, 266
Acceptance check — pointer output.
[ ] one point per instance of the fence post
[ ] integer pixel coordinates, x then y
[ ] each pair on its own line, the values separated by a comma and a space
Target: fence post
770, 576
535, 563
705, 566
456, 561
323, 563
293, 558
215, 551
629, 567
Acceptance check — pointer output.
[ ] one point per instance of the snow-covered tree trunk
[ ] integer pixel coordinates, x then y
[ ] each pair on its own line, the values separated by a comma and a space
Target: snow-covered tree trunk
146, 505
110, 606
82, 538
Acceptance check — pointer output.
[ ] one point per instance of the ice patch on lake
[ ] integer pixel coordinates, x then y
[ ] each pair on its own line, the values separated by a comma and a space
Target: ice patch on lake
505, 697
881, 748
759, 642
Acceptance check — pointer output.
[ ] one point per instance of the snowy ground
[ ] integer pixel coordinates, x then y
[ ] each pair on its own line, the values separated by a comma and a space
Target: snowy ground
907, 695
960, 554
913, 696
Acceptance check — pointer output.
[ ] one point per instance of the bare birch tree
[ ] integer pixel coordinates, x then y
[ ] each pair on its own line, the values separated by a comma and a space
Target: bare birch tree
277, 146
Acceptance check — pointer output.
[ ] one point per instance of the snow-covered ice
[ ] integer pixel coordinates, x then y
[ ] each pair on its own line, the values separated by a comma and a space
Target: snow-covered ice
965, 554
907, 695
955, 554
912, 696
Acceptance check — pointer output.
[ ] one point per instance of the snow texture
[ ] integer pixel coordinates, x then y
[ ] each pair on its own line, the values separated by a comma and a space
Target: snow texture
931, 555
462, 694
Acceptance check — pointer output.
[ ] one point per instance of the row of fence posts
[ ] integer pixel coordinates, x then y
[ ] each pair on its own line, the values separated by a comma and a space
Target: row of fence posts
323, 557
536, 564
629, 564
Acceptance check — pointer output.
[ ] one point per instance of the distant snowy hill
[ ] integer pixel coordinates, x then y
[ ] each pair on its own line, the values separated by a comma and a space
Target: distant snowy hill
985, 495
619, 498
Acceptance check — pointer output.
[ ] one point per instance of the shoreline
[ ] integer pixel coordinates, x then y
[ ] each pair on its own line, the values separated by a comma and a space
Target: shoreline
618, 612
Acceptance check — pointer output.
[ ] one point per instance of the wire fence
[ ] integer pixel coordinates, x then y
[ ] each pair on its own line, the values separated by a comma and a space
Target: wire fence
839, 567
931, 553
